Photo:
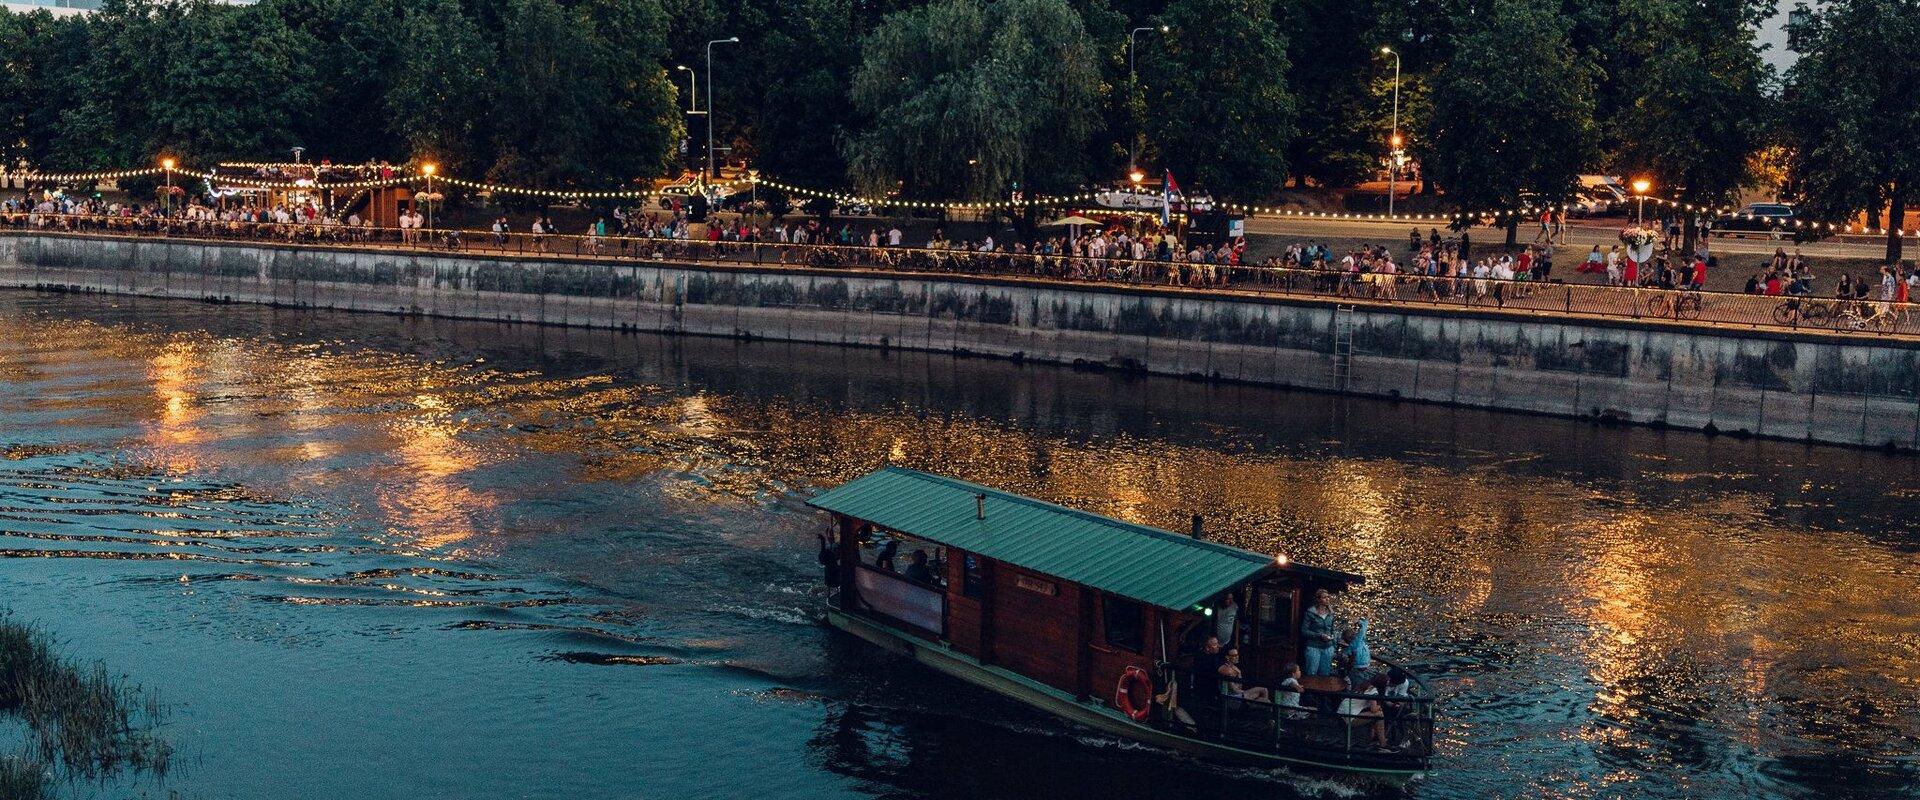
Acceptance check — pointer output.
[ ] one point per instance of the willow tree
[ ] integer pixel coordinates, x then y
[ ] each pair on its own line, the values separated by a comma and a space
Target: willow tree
974, 97
1853, 105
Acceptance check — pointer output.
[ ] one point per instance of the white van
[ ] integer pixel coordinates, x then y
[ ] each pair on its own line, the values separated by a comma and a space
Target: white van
1607, 186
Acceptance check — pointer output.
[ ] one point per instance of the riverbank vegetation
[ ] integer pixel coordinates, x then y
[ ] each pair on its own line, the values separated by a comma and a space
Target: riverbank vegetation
80, 722
1499, 102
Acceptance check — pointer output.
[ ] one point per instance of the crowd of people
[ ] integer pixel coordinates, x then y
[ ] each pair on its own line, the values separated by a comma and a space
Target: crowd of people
1365, 702
1434, 267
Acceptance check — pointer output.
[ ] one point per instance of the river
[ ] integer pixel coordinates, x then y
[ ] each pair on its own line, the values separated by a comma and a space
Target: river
382, 557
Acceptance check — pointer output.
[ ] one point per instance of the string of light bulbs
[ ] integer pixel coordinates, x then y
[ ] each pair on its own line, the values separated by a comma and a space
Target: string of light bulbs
1727, 212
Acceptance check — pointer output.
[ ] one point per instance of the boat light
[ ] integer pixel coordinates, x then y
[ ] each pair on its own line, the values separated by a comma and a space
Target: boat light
1280, 560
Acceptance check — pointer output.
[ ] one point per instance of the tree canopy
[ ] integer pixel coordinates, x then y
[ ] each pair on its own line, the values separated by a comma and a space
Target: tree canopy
988, 95
1501, 100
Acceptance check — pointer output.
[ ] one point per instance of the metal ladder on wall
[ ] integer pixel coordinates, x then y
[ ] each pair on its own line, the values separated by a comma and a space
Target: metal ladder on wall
1342, 348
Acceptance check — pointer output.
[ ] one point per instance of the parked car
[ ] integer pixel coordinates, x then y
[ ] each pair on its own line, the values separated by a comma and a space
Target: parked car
1775, 220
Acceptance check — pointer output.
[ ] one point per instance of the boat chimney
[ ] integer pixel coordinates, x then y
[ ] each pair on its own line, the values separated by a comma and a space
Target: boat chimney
979, 506
1198, 531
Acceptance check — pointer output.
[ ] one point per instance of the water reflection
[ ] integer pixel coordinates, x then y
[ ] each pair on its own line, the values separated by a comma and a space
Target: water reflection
1607, 609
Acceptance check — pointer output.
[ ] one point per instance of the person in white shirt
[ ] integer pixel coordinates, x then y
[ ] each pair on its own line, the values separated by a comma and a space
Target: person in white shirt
1364, 711
893, 237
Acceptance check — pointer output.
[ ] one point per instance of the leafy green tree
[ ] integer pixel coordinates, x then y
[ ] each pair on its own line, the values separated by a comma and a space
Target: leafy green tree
1699, 110
234, 85
1512, 110
975, 95
1220, 110
1852, 107
438, 96
1332, 59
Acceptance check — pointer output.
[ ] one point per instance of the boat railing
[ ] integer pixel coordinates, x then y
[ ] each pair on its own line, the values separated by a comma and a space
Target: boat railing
1323, 723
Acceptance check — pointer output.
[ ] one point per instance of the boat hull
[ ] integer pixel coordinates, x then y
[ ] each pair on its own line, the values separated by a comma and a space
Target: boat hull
1064, 705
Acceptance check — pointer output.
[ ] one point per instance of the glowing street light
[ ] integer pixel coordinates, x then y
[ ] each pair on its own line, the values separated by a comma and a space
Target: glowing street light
1136, 176
1640, 187
693, 89
166, 164
428, 169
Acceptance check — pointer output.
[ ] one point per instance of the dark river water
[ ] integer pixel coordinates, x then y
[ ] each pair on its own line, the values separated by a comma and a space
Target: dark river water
374, 557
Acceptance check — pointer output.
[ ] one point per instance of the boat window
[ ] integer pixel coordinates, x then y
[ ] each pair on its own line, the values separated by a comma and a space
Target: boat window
913, 559
1124, 622
1275, 616
973, 578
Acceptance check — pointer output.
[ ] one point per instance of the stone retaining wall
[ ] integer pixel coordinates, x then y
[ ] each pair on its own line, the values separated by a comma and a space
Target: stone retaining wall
1838, 388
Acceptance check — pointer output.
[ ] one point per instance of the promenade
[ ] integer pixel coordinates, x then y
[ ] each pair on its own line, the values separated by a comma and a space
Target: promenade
1729, 311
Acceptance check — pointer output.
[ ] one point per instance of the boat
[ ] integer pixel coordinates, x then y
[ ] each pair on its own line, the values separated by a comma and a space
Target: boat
1100, 621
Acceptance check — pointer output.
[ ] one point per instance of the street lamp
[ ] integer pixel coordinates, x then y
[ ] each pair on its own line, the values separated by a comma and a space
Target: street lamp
1133, 85
693, 91
166, 165
428, 169
1640, 187
1393, 157
729, 40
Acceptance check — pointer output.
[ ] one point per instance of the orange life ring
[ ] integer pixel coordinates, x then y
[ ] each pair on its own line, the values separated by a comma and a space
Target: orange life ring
1134, 682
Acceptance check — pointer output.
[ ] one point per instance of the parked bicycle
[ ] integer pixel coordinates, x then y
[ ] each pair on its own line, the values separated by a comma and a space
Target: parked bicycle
1860, 315
1800, 310
1678, 305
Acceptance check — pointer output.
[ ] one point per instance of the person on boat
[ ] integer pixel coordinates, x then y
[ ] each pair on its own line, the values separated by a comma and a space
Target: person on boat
917, 569
887, 552
1359, 654
1288, 696
1399, 687
829, 562
1318, 634
1206, 668
1226, 620
1232, 681
1364, 711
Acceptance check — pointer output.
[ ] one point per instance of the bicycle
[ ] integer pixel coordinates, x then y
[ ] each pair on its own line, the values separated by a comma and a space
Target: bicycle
1798, 310
1860, 315
1679, 305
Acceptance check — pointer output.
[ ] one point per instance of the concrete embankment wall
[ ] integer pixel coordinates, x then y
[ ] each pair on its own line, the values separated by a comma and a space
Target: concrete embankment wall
1831, 388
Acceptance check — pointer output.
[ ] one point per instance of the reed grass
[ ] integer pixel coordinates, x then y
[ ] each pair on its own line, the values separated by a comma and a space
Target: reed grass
80, 719
22, 778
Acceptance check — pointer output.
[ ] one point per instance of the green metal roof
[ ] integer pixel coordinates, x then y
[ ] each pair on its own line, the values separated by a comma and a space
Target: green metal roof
1153, 566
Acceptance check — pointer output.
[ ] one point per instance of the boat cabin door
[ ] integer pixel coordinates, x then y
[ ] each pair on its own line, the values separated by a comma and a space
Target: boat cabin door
1271, 639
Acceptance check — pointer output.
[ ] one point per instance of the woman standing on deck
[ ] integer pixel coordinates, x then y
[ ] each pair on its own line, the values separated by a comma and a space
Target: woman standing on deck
1318, 633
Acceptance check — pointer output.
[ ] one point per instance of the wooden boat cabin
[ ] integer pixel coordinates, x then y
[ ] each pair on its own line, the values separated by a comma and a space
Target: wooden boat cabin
1102, 622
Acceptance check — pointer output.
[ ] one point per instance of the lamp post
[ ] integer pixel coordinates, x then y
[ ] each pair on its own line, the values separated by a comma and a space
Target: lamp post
166, 166
1393, 155
693, 90
1133, 85
428, 169
729, 40
1640, 187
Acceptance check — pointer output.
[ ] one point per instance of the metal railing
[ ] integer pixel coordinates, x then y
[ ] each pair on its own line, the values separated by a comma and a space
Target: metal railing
1319, 725
1854, 315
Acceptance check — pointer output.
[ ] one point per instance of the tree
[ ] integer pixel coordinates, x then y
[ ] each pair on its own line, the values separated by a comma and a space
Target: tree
234, 85
1332, 61
437, 102
1699, 110
1512, 111
1220, 110
975, 95
1852, 106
